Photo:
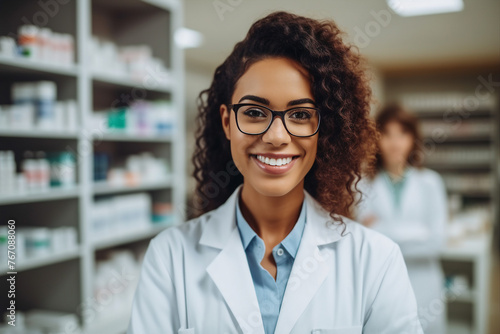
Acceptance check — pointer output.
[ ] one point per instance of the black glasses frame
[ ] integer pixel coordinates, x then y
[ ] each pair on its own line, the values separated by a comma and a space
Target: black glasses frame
280, 114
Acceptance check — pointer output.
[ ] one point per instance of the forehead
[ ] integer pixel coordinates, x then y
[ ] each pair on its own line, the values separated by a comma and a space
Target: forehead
278, 79
394, 125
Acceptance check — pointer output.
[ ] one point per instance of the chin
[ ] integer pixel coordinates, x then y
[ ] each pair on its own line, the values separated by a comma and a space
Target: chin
273, 187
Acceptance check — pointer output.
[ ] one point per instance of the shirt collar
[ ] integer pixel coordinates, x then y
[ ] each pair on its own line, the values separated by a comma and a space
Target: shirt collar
406, 172
291, 241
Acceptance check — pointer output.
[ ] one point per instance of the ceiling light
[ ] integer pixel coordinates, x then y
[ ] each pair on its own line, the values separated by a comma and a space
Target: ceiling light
425, 7
187, 38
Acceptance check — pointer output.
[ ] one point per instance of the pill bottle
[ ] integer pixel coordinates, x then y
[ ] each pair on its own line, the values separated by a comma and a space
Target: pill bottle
28, 42
45, 98
45, 45
37, 242
29, 168
43, 170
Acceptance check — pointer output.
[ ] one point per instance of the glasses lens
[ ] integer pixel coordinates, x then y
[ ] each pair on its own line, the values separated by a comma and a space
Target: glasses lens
299, 121
253, 119
302, 121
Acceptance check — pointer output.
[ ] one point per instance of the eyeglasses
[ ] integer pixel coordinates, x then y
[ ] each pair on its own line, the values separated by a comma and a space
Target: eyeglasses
255, 119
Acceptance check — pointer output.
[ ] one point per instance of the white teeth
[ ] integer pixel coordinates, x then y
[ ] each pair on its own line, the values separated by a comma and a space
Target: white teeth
274, 162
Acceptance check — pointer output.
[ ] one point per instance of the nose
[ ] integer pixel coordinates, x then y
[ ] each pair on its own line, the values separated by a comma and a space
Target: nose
276, 134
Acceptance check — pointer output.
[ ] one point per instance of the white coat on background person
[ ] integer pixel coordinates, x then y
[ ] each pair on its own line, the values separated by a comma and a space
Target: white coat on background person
195, 279
418, 227
408, 204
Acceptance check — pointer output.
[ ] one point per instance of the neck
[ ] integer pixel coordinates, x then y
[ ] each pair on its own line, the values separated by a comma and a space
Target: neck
395, 170
271, 217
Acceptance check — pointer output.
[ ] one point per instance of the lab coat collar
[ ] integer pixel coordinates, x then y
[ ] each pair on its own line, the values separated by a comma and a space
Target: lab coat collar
231, 274
221, 222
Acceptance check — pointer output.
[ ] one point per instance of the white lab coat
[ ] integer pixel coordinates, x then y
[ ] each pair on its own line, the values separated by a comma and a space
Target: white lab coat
195, 278
419, 229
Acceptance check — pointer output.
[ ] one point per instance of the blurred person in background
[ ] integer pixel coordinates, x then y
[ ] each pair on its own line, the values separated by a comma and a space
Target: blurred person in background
408, 203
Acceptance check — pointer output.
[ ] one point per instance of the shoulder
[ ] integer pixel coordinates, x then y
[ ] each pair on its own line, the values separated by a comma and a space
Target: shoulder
365, 245
367, 239
428, 177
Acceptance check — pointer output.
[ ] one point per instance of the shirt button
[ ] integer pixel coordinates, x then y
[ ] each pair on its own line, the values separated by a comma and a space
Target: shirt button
280, 251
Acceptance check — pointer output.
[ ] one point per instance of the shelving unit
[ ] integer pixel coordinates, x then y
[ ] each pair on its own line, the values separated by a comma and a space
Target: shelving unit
144, 138
19, 65
45, 261
462, 143
66, 280
125, 81
41, 196
105, 189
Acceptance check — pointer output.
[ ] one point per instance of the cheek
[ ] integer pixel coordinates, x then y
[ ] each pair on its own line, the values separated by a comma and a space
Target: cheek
312, 150
239, 148
408, 143
383, 144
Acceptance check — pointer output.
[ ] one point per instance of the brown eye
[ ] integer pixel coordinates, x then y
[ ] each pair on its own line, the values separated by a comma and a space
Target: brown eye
254, 112
301, 114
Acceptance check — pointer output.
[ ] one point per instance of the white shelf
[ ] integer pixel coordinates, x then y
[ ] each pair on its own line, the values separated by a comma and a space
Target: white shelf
130, 236
468, 249
471, 193
38, 134
52, 194
165, 4
103, 188
459, 165
128, 82
132, 138
463, 138
468, 296
32, 263
26, 65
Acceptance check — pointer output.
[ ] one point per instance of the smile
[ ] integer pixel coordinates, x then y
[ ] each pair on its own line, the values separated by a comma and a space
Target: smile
274, 165
274, 162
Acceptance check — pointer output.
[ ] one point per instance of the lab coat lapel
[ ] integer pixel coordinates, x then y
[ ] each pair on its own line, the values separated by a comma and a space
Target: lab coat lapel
385, 196
229, 270
408, 192
310, 267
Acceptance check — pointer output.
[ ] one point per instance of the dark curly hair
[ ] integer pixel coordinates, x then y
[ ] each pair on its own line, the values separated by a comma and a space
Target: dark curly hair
347, 135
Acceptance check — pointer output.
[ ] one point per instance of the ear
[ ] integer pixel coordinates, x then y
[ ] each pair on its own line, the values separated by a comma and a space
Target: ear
226, 120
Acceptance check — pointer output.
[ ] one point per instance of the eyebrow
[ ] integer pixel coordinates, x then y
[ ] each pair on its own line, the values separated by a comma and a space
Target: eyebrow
267, 103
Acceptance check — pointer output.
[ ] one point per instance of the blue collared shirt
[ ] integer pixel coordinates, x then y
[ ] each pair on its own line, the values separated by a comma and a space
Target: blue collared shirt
269, 291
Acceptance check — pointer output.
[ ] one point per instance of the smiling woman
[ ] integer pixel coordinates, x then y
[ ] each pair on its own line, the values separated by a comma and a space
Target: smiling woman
321, 68
273, 249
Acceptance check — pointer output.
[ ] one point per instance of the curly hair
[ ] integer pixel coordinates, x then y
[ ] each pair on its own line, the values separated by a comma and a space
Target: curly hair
347, 135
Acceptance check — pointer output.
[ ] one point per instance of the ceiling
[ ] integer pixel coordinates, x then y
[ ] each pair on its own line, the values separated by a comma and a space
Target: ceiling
470, 37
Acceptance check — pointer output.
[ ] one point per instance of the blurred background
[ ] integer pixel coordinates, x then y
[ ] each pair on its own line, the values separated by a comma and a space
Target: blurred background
97, 110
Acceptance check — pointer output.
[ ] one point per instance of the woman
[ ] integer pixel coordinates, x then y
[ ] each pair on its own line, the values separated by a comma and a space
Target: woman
408, 203
283, 134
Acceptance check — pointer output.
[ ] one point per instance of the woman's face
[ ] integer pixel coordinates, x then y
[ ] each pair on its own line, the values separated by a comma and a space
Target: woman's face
275, 83
395, 144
